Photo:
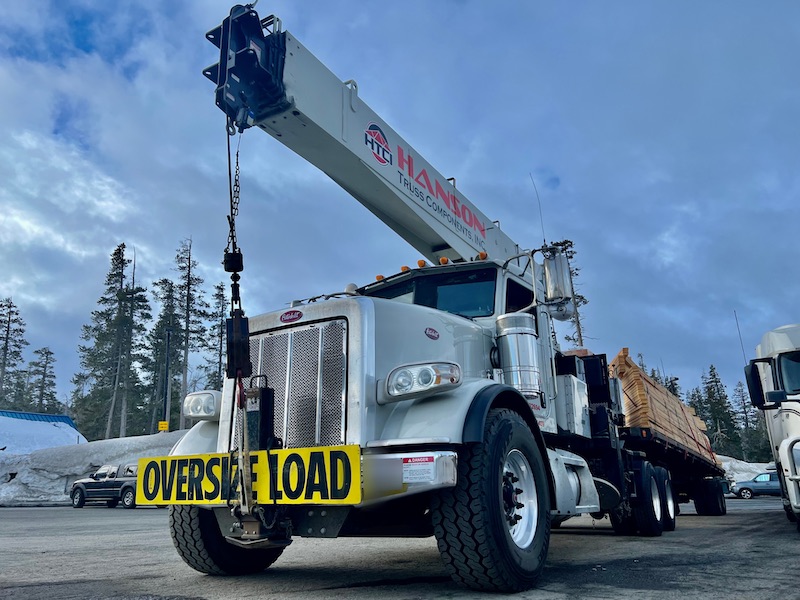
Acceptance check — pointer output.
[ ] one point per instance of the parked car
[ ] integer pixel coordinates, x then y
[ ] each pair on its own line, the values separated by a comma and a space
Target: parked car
111, 484
763, 484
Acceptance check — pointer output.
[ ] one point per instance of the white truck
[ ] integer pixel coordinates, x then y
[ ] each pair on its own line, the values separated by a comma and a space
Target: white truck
435, 401
773, 380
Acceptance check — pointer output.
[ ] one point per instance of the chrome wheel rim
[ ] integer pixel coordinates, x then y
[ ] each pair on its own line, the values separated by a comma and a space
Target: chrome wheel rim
520, 501
669, 500
655, 499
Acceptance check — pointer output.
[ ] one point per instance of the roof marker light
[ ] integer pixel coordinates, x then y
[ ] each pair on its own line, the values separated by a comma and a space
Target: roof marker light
482, 256
405, 268
444, 260
379, 278
421, 263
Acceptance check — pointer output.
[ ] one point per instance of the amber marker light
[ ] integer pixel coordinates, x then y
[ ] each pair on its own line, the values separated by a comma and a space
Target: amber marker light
379, 278
421, 263
404, 268
444, 260
482, 256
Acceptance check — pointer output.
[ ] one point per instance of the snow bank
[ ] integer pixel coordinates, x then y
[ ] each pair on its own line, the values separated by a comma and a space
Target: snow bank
44, 477
19, 436
738, 470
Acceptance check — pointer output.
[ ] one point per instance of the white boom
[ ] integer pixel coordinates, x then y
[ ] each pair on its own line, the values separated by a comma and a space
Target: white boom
266, 78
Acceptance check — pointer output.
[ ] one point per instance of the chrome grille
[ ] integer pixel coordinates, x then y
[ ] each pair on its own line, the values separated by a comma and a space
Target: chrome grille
306, 366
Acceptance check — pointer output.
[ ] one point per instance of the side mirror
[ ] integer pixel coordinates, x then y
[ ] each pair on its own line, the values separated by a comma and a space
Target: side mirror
754, 386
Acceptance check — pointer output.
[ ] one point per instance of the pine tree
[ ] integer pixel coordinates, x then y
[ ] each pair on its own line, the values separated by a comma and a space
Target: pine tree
43, 383
722, 429
697, 401
163, 385
755, 443
109, 380
215, 363
12, 342
194, 312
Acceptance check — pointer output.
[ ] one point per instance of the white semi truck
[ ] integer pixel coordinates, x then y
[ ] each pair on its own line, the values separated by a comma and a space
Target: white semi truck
773, 380
435, 401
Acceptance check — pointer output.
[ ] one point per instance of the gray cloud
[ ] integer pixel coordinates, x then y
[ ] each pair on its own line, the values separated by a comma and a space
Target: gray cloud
664, 142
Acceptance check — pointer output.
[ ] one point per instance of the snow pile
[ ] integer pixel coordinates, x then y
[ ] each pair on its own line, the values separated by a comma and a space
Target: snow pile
738, 470
44, 477
19, 436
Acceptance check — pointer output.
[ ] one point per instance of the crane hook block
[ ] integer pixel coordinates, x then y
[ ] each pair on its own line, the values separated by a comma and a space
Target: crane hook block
238, 346
249, 74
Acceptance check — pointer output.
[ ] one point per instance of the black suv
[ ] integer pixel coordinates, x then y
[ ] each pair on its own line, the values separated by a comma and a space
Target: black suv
110, 484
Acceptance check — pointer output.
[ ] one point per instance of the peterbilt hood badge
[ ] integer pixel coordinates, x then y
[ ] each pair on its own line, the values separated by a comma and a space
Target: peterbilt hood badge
290, 316
432, 333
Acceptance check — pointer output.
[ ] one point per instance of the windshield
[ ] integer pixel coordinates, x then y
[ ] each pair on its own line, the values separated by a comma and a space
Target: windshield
789, 367
469, 293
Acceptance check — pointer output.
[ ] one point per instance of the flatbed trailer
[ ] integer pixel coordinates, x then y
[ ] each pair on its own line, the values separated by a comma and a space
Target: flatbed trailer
671, 435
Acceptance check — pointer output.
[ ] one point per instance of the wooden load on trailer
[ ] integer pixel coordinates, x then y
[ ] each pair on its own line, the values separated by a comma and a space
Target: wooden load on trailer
667, 430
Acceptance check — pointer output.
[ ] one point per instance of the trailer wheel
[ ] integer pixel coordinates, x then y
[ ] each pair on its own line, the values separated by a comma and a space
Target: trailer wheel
709, 499
667, 499
493, 527
199, 542
647, 509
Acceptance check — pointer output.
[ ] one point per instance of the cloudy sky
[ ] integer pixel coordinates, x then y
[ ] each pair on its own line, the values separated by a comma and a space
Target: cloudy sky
664, 138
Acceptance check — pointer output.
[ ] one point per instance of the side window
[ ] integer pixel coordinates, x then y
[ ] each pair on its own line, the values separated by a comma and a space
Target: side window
101, 474
763, 477
773, 477
517, 296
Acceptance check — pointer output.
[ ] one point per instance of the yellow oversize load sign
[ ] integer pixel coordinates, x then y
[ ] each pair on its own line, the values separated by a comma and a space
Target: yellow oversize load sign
325, 475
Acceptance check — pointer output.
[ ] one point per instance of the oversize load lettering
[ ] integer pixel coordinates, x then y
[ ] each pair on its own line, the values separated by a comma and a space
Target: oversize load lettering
327, 475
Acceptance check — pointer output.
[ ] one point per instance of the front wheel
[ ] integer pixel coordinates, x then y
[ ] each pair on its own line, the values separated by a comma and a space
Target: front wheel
78, 498
493, 527
129, 498
745, 494
197, 538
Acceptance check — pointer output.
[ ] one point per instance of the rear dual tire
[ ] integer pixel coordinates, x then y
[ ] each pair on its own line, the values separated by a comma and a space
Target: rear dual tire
709, 499
668, 504
647, 510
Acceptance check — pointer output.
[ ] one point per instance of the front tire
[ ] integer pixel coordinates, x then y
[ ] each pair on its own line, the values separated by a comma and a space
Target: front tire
745, 494
78, 498
199, 542
129, 498
493, 527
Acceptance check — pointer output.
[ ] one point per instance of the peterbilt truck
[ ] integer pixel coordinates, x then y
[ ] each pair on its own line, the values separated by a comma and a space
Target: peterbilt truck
773, 381
432, 402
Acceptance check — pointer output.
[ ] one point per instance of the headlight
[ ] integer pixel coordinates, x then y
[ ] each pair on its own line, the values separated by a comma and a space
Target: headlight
203, 405
416, 379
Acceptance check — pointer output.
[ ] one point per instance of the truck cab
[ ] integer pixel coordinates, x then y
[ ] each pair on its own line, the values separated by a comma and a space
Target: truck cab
773, 381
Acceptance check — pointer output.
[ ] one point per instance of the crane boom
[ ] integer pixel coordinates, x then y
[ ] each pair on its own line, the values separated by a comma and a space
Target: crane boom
266, 78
